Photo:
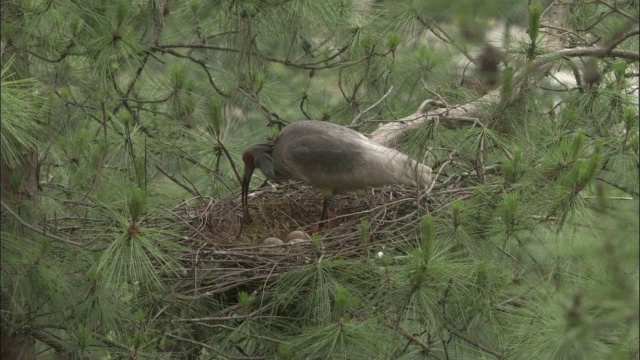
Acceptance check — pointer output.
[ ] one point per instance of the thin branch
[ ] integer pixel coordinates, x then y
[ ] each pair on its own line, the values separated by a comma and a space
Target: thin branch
391, 133
624, 188
443, 102
442, 35
599, 52
272, 117
449, 160
428, 102
355, 119
320, 64
202, 64
177, 182
615, 9
476, 344
231, 162
426, 348
33, 228
212, 348
622, 38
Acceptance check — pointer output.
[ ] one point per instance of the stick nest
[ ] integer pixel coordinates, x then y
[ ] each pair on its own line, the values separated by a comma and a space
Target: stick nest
216, 233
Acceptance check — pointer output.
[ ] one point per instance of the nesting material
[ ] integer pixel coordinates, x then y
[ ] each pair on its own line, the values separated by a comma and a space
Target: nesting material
234, 253
285, 210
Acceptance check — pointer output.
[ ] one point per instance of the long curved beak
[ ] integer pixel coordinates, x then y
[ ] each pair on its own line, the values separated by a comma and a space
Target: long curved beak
246, 180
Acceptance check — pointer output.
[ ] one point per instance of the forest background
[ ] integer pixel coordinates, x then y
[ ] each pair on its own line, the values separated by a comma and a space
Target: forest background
123, 123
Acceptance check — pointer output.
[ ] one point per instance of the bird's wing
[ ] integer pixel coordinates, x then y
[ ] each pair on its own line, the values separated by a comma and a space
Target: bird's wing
337, 159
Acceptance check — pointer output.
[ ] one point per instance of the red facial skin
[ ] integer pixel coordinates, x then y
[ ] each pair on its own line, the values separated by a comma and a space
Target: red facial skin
248, 159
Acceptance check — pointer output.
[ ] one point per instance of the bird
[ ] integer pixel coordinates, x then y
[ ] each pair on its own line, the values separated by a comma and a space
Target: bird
332, 158
591, 75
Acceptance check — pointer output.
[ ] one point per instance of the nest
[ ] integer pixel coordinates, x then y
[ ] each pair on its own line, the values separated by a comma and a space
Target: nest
220, 240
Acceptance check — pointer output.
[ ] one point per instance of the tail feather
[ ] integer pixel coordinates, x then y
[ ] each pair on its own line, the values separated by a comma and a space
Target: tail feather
420, 175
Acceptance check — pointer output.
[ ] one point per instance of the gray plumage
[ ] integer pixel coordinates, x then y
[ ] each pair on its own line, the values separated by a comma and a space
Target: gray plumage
332, 158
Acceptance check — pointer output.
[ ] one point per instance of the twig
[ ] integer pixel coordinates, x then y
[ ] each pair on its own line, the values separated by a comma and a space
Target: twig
177, 182
272, 117
202, 64
355, 119
264, 286
426, 348
615, 9
33, 228
480, 169
433, 183
442, 100
615, 42
427, 102
231, 162
209, 347
230, 328
475, 343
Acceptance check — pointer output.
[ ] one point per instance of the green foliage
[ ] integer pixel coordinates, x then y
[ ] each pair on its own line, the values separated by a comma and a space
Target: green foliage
393, 40
533, 27
244, 301
21, 127
83, 337
215, 115
427, 239
425, 58
339, 341
130, 259
309, 291
507, 85
364, 230
509, 210
136, 204
129, 121
514, 169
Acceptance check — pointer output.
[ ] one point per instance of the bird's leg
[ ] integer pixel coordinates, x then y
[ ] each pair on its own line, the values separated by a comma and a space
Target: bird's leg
331, 211
323, 216
327, 212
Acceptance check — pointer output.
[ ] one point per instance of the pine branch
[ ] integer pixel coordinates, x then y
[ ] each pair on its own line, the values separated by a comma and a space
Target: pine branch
615, 9
193, 192
426, 348
393, 133
33, 228
209, 347
476, 344
355, 119
202, 64
617, 41
52, 342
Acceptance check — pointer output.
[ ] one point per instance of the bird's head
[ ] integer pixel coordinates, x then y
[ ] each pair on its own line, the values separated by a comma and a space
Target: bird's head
256, 156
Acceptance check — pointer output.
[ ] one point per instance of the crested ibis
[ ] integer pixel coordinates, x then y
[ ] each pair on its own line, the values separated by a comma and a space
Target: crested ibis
332, 158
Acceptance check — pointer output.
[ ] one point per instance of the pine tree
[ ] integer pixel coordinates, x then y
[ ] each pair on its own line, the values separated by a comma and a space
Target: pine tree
123, 125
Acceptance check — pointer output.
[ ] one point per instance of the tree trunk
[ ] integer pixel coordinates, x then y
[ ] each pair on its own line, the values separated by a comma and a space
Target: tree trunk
15, 345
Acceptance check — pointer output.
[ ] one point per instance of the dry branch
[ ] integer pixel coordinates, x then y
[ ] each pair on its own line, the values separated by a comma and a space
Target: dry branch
392, 133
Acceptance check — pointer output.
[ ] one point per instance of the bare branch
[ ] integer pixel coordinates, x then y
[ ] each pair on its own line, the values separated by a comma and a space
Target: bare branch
622, 38
615, 9
33, 228
390, 134
355, 119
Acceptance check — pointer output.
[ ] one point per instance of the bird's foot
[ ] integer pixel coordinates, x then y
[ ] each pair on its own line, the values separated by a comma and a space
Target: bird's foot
246, 218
